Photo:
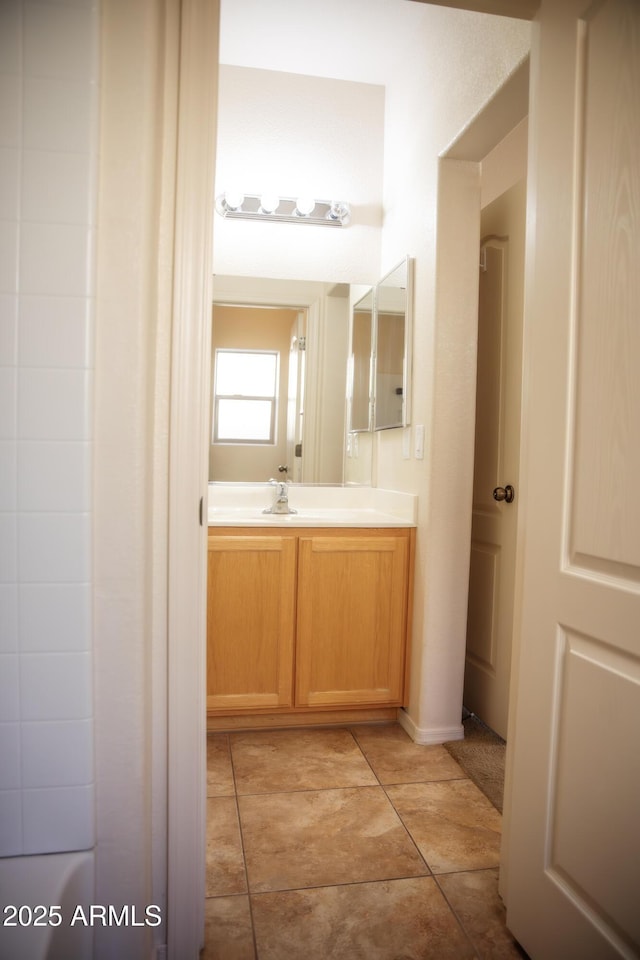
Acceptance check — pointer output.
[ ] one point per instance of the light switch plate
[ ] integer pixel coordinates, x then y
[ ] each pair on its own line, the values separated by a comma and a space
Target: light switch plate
418, 441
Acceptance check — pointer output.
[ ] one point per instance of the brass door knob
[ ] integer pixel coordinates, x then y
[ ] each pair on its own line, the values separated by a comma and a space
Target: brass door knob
504, 493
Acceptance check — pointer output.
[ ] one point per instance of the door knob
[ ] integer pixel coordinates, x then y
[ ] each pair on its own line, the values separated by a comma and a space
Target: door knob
504, 493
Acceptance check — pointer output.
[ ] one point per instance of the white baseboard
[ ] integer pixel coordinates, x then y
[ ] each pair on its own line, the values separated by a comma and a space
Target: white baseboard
428, 735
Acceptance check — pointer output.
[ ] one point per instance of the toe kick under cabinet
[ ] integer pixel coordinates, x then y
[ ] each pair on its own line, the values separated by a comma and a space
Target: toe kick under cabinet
307, 619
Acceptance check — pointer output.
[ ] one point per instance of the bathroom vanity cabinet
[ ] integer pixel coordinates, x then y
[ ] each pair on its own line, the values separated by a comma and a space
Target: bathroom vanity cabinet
307, 619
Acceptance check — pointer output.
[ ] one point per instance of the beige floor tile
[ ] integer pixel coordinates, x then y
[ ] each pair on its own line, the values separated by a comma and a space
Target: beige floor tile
475, 899
282, 760
225, 873
228, 930
395, 758
219, 770
316, 838
404, 919
453, 824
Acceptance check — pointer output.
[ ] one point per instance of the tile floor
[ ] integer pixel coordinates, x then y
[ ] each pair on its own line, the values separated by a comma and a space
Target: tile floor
350, 844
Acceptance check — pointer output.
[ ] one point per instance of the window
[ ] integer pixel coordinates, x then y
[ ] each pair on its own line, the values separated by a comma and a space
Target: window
244, 400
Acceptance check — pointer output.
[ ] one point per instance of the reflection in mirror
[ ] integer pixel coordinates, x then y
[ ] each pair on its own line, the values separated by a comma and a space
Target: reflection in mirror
392, 348
360, 365
254, 445
307, 324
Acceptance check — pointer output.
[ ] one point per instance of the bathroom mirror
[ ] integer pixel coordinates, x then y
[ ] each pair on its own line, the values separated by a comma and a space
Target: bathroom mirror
359, 389
307, 324
392, 348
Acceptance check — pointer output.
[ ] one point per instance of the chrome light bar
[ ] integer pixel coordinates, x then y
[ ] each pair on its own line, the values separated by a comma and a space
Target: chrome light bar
328, 213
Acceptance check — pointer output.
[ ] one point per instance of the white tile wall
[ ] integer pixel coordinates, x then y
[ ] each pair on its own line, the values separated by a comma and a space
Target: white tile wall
8, 329
9, 183
10, 751
38, 605
53, 404
8, 257
11, 843
54, 332
8, 476
49, 72
55, 686
56, 754
53, 476
70, 201
9, 688
55, 819
8, 548
8, 618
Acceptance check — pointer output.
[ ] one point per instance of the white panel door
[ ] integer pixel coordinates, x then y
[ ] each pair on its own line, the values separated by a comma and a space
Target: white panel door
486, 676
573, 887
497, 451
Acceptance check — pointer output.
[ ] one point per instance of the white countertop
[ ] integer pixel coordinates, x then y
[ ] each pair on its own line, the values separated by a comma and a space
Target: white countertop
237, 504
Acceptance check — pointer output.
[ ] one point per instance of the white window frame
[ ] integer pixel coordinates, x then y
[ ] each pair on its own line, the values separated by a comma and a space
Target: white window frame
273, 400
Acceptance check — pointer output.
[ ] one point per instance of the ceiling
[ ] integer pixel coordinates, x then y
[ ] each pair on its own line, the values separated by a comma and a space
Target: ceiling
357, 40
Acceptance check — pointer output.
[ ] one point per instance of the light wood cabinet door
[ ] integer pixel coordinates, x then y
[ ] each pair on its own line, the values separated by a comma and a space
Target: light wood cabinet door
351, 624
250, 621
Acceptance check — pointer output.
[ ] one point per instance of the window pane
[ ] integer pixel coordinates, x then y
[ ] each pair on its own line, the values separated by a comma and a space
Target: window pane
245, 420
246, 374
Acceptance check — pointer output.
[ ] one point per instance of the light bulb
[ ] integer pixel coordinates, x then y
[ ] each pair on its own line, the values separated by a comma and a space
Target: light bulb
339, 211
233, 199
304, 206
269, 203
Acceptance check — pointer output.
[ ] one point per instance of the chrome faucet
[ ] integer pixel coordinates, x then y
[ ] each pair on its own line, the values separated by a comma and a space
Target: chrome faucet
281, 499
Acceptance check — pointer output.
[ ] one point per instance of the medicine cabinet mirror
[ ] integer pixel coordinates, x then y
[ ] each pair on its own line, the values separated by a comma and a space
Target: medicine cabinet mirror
392, 348
360, 365
379, 388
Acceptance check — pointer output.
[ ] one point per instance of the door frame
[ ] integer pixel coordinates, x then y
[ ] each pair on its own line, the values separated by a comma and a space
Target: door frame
188, 476
191, 350
508, 107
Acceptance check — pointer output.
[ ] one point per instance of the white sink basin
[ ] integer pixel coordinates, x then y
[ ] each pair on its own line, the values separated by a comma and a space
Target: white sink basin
243, 505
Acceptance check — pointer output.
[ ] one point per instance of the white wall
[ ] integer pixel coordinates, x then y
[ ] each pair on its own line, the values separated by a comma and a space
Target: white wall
294, 135
48, 161
456, 62
462, 58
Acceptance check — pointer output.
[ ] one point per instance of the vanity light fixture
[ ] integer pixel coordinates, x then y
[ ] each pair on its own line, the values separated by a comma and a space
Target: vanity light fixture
328, 213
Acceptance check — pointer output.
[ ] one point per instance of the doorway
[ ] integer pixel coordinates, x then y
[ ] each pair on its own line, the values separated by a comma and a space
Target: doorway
186, 713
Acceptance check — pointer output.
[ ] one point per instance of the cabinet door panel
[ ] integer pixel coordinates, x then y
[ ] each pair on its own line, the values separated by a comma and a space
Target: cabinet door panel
352, 594
250, 621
